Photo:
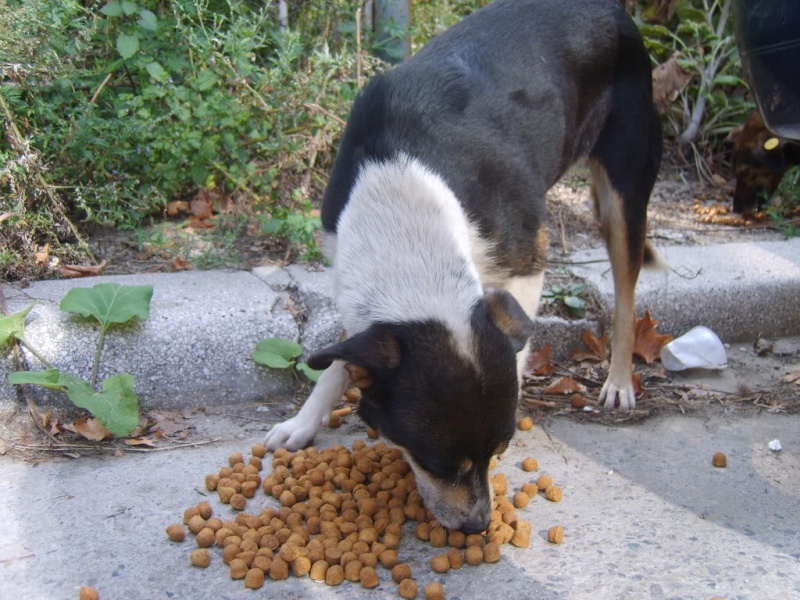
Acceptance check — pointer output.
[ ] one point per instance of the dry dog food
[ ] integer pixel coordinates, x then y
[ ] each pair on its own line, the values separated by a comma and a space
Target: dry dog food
525, 423
88, 593
719, 460
555, 534
340, 515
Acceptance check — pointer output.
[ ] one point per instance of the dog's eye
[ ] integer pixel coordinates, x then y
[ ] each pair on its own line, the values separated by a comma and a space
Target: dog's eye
500, 449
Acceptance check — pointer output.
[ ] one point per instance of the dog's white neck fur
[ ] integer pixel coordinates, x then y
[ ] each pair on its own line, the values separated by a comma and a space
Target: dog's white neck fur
403, 252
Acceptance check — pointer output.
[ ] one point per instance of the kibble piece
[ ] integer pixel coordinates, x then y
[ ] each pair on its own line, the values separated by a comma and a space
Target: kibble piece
525, 423
456, 539
334, 575
196, 523
372, 433
530, 488
205, 538
238, 502
408, 589
88, 593
530, 464
434, 591
577, 401
189, 513
491, 553
438, 537
423, 531
176, 532
238, 568
259, 450
521, 538
235, 458
204, 510
388, 559
318, 570
521, 500
211, 482
254, 578
225, 494
301, 566
352, 570
499, 484
440, 563
555, 535
279, 569
719, 460
475, 539
544, 482
553, 493
369, 578
400, 572
473, 555
455, 557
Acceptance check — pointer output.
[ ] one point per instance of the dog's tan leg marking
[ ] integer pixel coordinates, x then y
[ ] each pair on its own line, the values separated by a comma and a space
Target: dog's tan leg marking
618, 388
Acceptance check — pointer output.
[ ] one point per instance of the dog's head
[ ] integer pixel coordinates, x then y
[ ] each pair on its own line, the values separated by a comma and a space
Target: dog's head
450, 408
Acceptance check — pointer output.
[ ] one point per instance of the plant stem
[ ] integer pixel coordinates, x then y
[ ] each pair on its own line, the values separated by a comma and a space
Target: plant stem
97, 352
33, 351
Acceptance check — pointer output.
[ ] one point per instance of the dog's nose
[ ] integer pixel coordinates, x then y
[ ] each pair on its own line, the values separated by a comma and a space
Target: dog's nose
474, 525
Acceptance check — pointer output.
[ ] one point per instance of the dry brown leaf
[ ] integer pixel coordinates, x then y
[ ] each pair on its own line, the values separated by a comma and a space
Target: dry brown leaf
91, 429
43, 255
669, 79
175, 207
180, 265
792, 377
202, 205
597, 348
140, 442
539, 362
638, 390
647, 344
168, 422
73, 271
564, 385
199, 223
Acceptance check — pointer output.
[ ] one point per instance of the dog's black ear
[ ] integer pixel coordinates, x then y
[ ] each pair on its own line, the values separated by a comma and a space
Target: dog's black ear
375, 350
507, 315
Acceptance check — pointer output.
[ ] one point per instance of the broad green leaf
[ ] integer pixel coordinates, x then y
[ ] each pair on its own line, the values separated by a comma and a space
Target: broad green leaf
276, 353
312, 374
147, 20
127, 45
726, 80
112, 9
156, 71
574, 302
128, 7
49, 379
116, 406
110, 302
13, 325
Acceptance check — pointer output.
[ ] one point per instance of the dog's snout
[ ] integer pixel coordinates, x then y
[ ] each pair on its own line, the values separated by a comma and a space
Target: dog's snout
475, 525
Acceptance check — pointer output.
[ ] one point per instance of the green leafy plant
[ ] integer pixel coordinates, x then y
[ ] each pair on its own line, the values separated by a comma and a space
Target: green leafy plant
115, 405
279, 353
568, 295
297, 228
784, 206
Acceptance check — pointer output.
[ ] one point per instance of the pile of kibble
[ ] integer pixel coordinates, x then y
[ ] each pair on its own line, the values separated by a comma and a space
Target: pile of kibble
341, 518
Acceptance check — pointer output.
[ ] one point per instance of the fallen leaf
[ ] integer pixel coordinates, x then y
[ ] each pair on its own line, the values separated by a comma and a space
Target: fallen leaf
647, 344
91, 429
201, 205
792, 377
73, 271
180, 265
564, 385
539, 362
669, 80
41, 257
636, 379
199, 223
597, 348
175, 207
168, 422
118, 453
140, 442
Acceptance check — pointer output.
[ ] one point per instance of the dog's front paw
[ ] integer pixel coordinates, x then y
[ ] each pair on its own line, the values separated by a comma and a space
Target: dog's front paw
614, 395
292, 434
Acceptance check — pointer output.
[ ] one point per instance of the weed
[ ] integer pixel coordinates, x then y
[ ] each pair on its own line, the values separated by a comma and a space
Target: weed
568, 295
278, 353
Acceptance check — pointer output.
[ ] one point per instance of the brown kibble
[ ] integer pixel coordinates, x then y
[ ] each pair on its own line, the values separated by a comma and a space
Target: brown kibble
455, 558
235, 458
525, 423
279, 569
423, 531
440, 563
434, 591
544, 482
200, 558
225, 494
238, 502
491, 552
318, 570
530, 464
189, 513
521, 500
456, 539
719, 460
334, 420
238, 568
352, 570
577, 401
553, 493
555, 535
408, 589
400, 572
372, 434
204, 510
334, 575
196, 523
205, 538
301, 566
254, 578
388, 559
88, 593
530, 488
211, 482
259, 450
475, 539
369, 578
473, 555
521, 538
176, 532
499, 484
438, 537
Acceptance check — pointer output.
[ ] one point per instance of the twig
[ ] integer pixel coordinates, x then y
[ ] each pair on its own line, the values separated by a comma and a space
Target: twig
533, 401
177, 447
100, 88
13, 558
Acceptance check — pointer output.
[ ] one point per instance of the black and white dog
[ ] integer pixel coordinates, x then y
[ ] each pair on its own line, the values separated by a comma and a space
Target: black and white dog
433, 220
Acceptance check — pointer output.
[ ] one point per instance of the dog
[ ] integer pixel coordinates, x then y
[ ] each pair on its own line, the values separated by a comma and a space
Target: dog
433, 218
760, 159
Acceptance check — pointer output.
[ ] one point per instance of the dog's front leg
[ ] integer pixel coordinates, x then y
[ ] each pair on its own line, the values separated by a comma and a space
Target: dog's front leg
299, 431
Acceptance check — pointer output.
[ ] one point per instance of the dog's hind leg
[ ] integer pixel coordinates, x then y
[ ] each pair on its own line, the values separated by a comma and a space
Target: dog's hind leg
624, 164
